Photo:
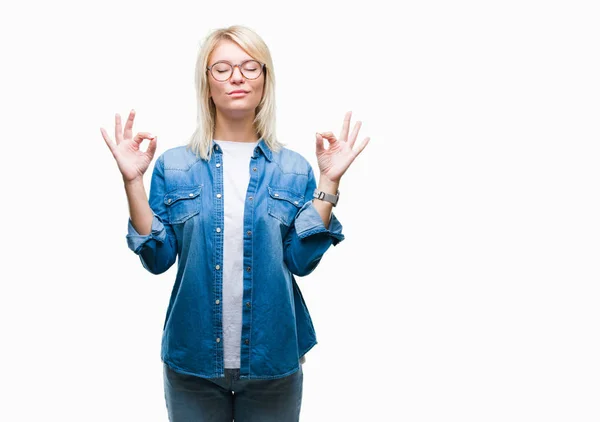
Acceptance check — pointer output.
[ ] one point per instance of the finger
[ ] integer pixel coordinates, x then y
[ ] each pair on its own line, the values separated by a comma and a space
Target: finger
152, 147
118, 129
354, 133
108, 141
346, 126
129, 125
139, 138
362, 146
320, 145
329, 136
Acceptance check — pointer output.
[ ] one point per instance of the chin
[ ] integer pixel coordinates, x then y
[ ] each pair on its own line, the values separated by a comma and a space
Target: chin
238, 111
238, 107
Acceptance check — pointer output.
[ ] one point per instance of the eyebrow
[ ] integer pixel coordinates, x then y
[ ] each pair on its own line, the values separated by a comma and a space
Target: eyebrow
229, 61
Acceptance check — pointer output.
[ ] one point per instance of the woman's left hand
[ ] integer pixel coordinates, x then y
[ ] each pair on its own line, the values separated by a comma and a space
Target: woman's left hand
334, 161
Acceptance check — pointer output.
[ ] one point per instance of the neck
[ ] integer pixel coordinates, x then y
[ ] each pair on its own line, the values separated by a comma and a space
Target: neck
235, 128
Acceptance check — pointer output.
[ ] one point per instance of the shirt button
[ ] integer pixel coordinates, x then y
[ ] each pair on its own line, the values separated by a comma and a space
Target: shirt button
276, 194
250, 198
247, 341
218, 164
169, 201
218, 267
218, 339
191, 194
296, 202
218, 195
217, 301
248, 269
218, 229
248, 232
216, 147
254, 169
248, 304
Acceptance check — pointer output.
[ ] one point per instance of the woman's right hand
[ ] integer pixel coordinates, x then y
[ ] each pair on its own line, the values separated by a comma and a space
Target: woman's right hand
132, 162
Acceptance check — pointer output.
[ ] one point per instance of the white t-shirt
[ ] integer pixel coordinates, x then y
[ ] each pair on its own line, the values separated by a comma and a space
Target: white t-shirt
236, 177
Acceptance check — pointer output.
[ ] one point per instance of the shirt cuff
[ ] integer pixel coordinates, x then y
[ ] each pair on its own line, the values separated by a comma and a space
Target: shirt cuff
309, 222
136, 241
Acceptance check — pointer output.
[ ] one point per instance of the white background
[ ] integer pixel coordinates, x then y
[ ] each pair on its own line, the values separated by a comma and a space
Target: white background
467, 288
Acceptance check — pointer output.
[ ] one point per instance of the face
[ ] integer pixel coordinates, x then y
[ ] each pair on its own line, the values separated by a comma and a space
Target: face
226, 101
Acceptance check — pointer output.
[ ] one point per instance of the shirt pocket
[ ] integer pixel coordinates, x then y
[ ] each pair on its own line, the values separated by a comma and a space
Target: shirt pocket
182, 203
283, 204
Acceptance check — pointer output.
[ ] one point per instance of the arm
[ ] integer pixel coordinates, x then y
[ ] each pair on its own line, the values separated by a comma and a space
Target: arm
148, 233
324, 208
315, 228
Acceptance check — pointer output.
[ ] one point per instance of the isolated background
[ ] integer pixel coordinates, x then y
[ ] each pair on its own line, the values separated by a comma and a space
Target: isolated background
467, 286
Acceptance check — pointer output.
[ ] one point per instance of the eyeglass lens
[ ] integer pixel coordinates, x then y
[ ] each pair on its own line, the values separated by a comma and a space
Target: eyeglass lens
250, 70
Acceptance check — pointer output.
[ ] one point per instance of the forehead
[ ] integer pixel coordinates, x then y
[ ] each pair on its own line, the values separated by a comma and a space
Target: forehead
230, 51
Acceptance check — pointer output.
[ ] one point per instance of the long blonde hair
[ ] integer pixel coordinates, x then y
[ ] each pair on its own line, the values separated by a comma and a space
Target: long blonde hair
264, 121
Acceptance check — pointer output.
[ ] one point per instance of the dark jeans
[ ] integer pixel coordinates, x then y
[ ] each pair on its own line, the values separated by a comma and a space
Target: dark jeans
194, 399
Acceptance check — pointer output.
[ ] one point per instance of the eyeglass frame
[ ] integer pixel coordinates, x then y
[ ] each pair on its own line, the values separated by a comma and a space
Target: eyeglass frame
239, 66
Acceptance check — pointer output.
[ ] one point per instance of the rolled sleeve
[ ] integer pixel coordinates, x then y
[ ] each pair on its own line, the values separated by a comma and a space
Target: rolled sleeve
158, 249
136, 241
308, 239
309, 222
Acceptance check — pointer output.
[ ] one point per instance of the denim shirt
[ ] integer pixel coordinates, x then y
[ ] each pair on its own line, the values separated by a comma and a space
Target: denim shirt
284, 236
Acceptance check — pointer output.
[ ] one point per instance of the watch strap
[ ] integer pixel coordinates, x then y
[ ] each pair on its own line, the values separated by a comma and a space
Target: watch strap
324, 196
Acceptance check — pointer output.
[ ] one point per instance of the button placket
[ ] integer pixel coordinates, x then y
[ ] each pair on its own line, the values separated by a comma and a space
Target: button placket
248, 231
218, 227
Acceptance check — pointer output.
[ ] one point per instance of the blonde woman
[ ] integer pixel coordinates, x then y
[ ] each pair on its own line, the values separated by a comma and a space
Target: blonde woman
242, 215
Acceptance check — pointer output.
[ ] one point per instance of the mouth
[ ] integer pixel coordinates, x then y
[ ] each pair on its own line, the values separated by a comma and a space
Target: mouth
238, 92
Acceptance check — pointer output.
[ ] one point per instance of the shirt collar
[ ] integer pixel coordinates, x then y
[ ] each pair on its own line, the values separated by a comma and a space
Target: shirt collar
265, 149
262, 145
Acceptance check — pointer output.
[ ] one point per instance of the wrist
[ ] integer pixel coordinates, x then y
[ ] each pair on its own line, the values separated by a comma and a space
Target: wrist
327, 190
133, 182
328, 186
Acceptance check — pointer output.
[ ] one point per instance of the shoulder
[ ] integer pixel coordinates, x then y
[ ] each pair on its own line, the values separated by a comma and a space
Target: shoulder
290, 161
178, 158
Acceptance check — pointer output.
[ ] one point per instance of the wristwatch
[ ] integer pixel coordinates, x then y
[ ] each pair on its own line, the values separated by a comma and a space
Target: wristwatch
317, 194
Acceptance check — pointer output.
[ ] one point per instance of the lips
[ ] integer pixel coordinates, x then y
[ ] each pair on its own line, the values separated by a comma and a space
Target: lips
238, 91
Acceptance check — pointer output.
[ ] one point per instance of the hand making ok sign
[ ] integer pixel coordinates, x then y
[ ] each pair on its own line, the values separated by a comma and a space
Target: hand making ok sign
334, 161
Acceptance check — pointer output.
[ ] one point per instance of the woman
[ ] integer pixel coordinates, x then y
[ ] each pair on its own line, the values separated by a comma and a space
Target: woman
242, 214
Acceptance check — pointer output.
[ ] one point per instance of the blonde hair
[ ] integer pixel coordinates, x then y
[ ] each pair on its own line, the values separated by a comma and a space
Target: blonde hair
264, 122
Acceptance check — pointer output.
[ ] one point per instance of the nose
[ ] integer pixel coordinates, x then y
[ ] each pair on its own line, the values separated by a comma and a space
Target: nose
236, 74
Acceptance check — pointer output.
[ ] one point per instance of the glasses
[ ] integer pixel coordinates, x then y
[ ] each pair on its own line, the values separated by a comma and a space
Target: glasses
222, 71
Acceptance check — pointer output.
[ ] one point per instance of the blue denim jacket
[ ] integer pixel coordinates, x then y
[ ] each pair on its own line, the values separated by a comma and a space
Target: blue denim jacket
284, 236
